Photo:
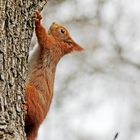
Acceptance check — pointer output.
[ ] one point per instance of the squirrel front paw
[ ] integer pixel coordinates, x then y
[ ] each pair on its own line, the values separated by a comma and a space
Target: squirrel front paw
38, 16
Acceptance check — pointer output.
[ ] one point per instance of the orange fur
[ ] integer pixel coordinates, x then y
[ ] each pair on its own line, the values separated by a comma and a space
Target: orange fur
53, 45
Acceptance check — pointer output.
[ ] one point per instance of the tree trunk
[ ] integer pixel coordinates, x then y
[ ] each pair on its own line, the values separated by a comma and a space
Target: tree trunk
16, 30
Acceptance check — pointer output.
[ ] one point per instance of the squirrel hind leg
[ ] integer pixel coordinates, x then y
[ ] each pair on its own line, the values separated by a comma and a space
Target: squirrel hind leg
31, 131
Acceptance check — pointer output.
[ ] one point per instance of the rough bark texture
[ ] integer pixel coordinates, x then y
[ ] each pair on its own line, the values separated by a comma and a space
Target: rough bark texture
16, 29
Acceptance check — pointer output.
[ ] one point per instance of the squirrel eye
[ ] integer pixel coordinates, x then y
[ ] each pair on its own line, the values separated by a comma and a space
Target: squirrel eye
62, 31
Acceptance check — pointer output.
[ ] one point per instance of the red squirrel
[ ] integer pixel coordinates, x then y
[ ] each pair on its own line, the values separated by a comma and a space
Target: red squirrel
52, 46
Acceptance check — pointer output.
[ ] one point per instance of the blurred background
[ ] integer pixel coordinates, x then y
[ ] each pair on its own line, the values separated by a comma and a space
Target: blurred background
97, 92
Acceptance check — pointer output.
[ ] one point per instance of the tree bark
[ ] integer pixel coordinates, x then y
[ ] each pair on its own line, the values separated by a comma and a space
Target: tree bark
16, 30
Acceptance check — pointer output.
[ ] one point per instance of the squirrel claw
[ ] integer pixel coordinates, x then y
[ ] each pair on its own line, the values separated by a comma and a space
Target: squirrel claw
26, 106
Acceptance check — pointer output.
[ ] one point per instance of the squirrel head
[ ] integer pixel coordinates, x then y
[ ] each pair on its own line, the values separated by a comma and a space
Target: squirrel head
61, 35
